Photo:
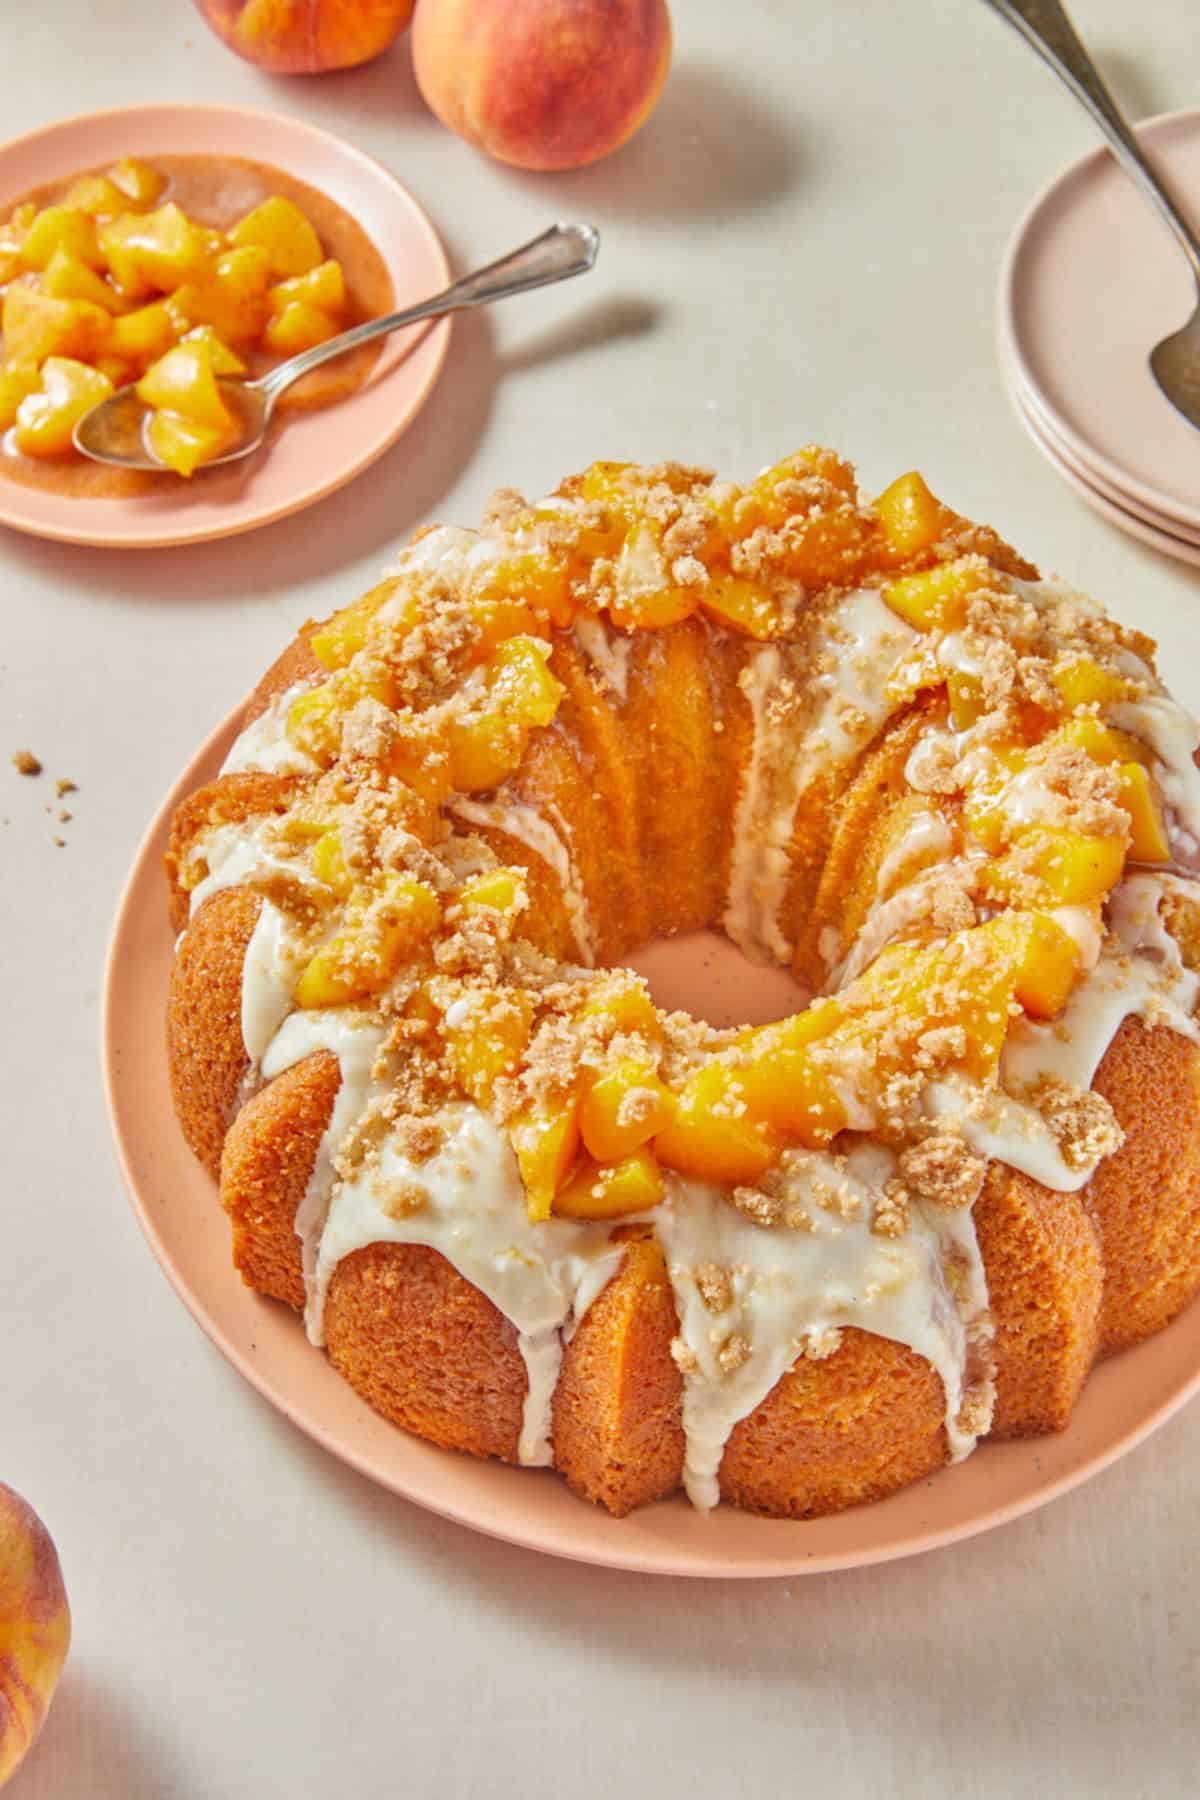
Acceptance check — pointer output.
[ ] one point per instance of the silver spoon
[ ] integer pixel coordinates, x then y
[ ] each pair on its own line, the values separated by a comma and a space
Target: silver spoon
1175, 362
113, 432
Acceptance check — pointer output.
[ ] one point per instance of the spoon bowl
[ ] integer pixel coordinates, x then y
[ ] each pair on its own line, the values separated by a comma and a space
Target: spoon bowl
114, 432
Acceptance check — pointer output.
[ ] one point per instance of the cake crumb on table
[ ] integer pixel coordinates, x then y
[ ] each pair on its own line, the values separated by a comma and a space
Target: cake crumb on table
26, 763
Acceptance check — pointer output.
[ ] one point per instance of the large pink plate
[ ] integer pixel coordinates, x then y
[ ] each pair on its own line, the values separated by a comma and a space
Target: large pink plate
1091, 282
177, 1207
312, 455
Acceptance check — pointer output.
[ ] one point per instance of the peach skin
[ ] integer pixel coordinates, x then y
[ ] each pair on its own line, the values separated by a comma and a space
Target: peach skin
544, 84
307, 37
35, 1628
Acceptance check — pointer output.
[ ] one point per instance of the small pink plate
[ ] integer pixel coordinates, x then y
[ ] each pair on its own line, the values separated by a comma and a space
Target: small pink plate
177, 1206
313, 454
1091, 282
1060, 457
1031, 410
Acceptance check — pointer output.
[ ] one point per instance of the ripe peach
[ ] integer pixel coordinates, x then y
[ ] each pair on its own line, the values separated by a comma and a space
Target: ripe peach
35, 1627
307, 37
544, 84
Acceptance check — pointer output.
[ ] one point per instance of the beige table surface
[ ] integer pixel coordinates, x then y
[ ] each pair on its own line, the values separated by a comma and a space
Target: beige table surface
802, 244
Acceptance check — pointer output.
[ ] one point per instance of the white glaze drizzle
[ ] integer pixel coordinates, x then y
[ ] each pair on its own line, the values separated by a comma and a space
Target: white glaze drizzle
850, 697
790, 1287
264, 744
521, 822
606, 650
542, 1278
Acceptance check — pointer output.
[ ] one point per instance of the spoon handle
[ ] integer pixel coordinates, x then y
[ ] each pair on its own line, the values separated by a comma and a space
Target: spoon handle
559, 253
1045, 26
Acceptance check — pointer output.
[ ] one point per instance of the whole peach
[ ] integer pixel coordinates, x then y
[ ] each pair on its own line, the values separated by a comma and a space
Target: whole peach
307, 37
544, 84
35, 1627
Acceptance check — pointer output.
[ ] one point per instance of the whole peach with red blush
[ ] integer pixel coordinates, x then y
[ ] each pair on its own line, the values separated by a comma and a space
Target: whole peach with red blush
35, 1628
544, 84
307, 37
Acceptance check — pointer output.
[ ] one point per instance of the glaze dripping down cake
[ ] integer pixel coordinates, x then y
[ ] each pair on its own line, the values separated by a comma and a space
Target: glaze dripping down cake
531, 1215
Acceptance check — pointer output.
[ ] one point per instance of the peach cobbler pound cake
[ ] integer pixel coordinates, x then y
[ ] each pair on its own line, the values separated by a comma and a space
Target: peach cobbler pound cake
531, 1215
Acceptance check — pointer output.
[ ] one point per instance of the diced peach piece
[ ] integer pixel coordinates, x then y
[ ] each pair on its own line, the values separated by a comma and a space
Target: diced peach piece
911, 517
323, 287
299, 327
343, 636
62, 227
182, 444
1045, 961
1084, 683
712, 1135
224, 360
35, 1628
47, 418
97, 196
183, 381
145, 333
742, 606
37, 325
535, 577
499, 890
522, 695
546, 1144
936, 599
613, 1190
232, 299
623, 1109
162, 249
1071, 868
391, 921
281, 229
137, 180
12, 232
1147, 834
785, 1089
329, 862
603, 484
1103, 743
16, 380
630, 1009
490, 1043
644, 595
965, 694
314, 721
67, 278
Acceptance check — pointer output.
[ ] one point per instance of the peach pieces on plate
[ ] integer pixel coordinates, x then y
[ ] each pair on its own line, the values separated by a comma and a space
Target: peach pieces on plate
113, 284
35, 1628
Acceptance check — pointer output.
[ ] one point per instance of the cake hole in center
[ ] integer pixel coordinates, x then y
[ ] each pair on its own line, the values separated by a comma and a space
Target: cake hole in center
702, 973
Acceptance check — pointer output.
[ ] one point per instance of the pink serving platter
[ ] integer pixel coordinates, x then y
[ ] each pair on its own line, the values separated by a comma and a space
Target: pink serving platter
312, 454
176, 1204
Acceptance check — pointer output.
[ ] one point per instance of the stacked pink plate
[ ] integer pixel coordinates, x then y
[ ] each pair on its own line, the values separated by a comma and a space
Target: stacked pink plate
1091, 282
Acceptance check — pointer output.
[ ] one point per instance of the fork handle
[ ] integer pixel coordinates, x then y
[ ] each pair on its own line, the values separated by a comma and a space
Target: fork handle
1045, 26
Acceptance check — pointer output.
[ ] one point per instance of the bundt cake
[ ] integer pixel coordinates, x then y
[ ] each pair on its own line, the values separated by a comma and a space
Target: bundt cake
532, 1215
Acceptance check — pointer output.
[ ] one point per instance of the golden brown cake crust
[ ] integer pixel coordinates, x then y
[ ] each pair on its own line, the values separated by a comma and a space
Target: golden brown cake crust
848, 1428
426, 1349
1145, 1200
206, 1057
